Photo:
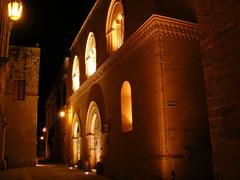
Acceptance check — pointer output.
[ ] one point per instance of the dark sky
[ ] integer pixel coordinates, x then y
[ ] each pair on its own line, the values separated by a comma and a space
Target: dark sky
53, 24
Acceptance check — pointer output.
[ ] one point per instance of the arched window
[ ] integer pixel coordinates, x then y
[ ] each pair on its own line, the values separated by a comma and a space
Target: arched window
126, 107
90, 55
76, 139
94, 137
75, 74
115, 26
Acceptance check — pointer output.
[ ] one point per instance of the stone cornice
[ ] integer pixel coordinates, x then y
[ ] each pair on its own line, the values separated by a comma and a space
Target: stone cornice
156, 25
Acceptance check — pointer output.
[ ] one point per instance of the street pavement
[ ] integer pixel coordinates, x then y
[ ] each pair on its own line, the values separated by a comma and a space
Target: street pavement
47, 172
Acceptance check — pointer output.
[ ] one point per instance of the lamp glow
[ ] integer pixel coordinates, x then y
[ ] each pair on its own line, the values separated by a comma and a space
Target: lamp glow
15, 9
44, 129
62, 114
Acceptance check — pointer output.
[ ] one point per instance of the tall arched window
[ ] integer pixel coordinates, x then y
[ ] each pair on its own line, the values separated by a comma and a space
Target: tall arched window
76, 139
90, 55
94, 135
115, 25
75, 74
126, 107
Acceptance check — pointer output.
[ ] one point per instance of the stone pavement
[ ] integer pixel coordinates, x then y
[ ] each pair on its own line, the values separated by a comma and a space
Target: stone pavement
47, 172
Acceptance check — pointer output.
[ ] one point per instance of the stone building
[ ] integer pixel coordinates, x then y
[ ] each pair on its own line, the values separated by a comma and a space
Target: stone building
55, 123
4, 34
20, 105
220, 25
136, 105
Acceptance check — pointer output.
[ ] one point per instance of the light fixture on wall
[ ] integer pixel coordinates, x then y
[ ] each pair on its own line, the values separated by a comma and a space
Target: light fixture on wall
62, 114
15, 9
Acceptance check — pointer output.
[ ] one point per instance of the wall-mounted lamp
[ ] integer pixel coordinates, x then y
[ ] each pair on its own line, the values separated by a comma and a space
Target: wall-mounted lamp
62, 114
15, 9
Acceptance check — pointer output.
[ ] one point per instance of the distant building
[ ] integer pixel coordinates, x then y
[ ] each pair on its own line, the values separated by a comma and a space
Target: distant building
20, 106
55, 122
136, 105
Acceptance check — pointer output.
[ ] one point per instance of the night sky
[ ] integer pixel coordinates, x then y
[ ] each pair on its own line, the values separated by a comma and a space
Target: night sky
53, 25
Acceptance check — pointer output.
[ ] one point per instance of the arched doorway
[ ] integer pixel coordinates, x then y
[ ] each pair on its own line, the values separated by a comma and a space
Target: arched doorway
94, 135
76, 139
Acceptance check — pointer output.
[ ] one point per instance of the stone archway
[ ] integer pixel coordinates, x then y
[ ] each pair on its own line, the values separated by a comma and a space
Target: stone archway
76, 139
94, 135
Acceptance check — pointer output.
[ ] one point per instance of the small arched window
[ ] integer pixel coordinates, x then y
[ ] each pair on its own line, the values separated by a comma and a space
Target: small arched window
90, 55
115, 26
126, 107
75, 74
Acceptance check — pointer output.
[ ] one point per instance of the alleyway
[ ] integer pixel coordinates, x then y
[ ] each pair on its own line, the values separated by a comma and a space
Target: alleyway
47, 172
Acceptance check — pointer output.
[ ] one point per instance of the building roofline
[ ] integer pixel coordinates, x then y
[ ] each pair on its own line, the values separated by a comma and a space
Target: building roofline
83, 26
155, 25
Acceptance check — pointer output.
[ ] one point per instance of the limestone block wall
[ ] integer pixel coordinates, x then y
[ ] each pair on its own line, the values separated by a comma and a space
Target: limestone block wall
220, 42
21, 131
3, 77
21, 114
162, 64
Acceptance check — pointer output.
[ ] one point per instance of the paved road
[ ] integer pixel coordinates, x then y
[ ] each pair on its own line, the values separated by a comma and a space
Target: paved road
47, 172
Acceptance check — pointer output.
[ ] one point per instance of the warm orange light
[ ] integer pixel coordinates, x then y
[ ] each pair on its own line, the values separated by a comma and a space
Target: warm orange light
44, 129
62, 114
75, 74
126, 107
41, 138
15, 10
90, 55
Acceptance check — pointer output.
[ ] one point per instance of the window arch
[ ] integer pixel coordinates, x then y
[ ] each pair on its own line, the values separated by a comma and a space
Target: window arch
126, 107
94, 134
75, 74
90, 55
76, 139
115, 26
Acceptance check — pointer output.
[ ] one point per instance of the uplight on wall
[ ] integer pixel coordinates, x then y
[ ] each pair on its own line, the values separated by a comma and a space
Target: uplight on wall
15, 9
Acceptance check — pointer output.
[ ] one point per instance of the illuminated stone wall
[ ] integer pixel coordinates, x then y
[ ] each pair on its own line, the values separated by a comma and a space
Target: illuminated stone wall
21, 115
4, 31
3, 77
220, 42
161, 60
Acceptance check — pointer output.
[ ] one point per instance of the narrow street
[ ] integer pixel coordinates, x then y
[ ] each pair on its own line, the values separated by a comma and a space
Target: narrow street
48, 171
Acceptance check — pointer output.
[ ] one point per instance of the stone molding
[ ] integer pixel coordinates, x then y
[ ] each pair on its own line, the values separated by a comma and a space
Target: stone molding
156, 25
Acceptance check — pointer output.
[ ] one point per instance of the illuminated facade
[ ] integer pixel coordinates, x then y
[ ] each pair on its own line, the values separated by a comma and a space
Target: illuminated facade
142, 114
20, 106
139, 110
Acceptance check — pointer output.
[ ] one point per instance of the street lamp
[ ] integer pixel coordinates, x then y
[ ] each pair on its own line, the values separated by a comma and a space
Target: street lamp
14, 13
15, 9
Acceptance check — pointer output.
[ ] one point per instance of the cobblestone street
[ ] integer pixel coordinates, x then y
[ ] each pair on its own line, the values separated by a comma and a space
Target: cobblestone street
48, 171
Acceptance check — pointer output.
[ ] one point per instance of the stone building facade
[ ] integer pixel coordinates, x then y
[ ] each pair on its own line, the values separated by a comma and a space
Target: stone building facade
55, 124
4, 34
20, 105
136, 105
220, 42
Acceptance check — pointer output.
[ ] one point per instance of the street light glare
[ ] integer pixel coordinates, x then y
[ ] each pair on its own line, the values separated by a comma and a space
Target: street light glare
62, 114
44, 129
15, 10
